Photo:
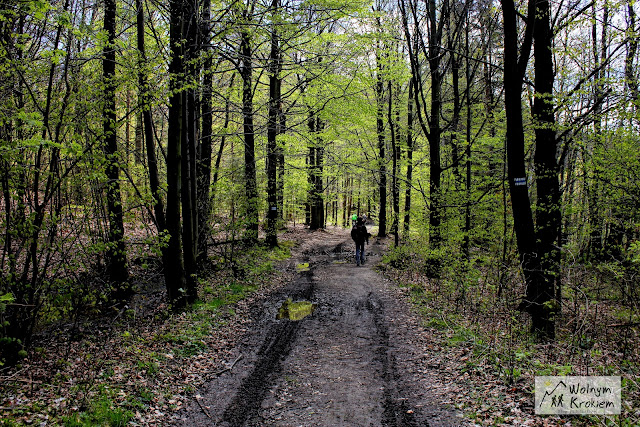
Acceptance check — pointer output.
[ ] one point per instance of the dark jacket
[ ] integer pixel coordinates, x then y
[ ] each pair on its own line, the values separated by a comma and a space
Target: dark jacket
359, 233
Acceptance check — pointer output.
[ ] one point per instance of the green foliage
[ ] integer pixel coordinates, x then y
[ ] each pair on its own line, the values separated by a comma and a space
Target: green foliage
103, 412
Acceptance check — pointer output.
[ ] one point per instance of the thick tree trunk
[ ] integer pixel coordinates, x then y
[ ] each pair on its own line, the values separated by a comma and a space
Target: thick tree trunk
435, 170
316, 181
189, 194
530, 258
548, 218
116, 251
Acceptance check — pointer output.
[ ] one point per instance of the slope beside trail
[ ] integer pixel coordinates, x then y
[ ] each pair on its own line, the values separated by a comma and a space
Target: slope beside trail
353, 362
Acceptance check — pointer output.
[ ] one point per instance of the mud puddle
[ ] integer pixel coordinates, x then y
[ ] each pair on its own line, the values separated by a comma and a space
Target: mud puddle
295, 310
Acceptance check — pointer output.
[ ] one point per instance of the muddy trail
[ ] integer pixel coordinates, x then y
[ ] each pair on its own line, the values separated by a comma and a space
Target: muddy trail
349, 362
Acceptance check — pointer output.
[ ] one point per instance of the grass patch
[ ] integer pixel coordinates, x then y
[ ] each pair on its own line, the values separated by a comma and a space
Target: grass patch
102, 412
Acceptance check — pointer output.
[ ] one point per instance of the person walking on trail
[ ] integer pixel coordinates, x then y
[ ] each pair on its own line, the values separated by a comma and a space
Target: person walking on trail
360, 235
354, 219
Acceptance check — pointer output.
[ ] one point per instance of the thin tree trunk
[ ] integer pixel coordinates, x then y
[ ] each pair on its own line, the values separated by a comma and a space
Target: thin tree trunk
147, 135
467, 208
223, 138
409, 177
382, 168
281, 169
629, 71
189, 194
246, 71
116, 250
395, 189
204, 146
272, 131
174, 271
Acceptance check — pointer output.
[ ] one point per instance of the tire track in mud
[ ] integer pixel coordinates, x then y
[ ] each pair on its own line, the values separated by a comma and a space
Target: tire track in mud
396, 410
275, 348
335, 367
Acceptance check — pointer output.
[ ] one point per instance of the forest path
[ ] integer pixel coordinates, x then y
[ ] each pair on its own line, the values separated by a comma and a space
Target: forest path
350, 363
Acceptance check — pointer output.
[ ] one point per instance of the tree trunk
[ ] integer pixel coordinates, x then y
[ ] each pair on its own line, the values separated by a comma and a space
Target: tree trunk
409, 177
116, 251
631, 79
311, 161
189, 195
281, 170
466, 243
316, 182
435, 170
548, 218
382, 165
246, 71
395, 150
272, 131
174, 272
223, 139
204, 146
147, 134
522, 215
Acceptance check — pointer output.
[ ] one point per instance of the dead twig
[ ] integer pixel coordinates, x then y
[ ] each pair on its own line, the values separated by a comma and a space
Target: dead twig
229, 368
202, 407
623, 325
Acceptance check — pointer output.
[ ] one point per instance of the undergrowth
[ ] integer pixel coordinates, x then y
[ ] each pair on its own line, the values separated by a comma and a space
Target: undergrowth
471, 304
144, 361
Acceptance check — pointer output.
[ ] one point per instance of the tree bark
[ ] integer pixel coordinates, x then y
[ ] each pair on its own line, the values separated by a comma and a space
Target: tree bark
435, 170
147, 134
535, 302
409, 176
316, 181
548, 217
204, 146
395, 150
188, 191
116, 250
251, 189
272, 131
382, 161
174, 271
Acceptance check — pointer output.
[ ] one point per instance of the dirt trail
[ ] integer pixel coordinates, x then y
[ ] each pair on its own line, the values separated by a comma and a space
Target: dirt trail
350, 363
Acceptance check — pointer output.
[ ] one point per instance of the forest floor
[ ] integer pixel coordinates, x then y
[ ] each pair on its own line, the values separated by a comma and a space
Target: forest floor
356, 360
368, 354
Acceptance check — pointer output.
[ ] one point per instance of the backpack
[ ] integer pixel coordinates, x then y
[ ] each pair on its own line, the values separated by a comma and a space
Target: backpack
359, 233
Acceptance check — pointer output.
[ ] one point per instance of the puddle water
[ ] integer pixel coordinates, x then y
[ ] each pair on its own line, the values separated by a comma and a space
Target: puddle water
295, 310
303, 267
